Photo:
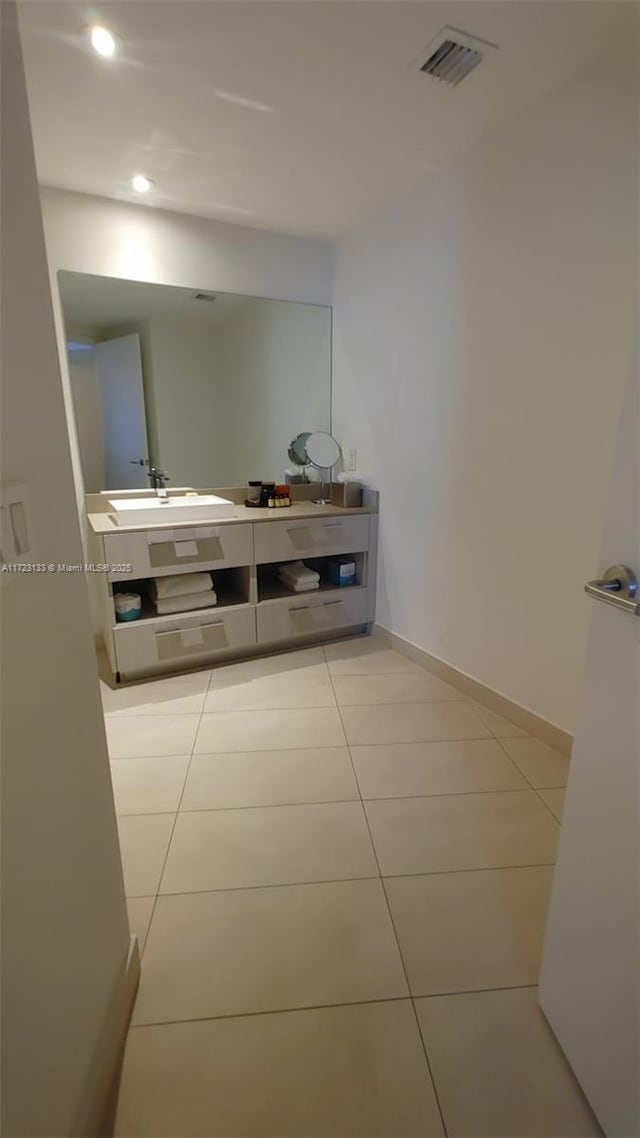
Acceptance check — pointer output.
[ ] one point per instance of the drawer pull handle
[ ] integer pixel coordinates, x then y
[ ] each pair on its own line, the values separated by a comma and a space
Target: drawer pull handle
308, 608
172, 631
331, 525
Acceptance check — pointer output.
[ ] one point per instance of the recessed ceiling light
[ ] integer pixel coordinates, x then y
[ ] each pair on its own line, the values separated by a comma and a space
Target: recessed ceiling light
141, 184
101, 40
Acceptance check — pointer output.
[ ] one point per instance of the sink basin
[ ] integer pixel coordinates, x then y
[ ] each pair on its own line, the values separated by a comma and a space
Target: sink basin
172, 510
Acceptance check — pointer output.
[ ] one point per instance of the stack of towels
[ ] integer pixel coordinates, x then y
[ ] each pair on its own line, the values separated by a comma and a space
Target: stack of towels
297, 576
183, 592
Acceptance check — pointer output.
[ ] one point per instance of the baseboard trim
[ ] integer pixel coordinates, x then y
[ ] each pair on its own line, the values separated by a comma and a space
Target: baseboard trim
533, 724
96, 1113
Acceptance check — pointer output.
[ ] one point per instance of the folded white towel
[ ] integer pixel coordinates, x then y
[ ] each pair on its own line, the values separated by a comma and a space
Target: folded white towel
167, 605
301, 587
298, 571
181, 584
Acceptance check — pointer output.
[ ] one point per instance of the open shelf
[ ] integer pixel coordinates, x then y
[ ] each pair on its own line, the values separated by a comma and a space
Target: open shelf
270, 588
231, 586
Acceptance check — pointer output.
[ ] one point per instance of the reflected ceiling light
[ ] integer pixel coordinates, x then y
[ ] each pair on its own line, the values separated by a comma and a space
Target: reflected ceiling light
241, 101
101, 40
141, 184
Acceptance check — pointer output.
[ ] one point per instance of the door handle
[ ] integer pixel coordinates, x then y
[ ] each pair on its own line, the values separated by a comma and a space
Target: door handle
618, 587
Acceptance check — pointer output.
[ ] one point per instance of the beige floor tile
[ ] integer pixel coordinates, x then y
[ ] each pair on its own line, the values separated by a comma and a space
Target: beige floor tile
270, 778
139, 736
148, 786
144, 840
140, 910
354, 1071
411, 723
554, 799
269, 730
499, 726
365, 655
175, 695
461, 831
401, 687
498, 1068
272, 845
464, 931
393, 770
251, 950
540, 764
278, 664
308, 686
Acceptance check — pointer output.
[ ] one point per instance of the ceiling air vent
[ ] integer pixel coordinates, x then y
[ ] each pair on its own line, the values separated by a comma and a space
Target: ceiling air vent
207, 296
454, 55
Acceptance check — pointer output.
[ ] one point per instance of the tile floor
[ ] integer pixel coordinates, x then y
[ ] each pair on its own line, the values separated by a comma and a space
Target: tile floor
338, 869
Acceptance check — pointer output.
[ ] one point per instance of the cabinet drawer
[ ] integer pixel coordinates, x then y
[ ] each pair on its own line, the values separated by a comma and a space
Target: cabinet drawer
183, 640
159, 552
305, 615
288, 541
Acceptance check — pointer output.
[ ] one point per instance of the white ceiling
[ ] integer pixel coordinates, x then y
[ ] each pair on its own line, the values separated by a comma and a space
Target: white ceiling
301, 116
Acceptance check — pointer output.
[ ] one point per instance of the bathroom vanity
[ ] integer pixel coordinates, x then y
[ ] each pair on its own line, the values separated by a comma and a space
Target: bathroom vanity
255, 611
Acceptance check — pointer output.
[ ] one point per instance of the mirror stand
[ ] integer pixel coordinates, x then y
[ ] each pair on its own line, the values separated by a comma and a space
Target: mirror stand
325, 488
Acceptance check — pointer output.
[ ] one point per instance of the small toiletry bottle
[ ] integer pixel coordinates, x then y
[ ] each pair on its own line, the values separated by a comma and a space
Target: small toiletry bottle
266, 494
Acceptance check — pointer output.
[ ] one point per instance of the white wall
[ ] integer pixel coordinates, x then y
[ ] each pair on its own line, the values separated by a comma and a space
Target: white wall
65, 933
184, 398
482, 333
138, 242
275, 361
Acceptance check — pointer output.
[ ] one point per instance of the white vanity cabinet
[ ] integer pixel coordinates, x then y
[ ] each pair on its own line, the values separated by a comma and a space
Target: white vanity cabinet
254, 610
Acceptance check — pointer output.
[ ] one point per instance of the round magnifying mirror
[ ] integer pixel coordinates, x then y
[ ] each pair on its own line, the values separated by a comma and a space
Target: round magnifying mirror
322, 449
297, 450
323, 452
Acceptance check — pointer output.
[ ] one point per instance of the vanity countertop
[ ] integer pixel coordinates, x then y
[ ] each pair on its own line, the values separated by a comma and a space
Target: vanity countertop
103, 523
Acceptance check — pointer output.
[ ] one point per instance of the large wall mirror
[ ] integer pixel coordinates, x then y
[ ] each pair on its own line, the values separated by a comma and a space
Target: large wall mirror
207, 386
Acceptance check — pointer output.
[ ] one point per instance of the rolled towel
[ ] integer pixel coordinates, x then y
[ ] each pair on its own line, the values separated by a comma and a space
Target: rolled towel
182, 584
183, 604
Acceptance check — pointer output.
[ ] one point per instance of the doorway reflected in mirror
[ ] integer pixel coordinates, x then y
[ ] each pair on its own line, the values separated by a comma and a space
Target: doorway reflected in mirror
210, 387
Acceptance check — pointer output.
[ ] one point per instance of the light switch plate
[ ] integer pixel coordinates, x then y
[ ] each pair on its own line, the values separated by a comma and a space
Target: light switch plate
17, 545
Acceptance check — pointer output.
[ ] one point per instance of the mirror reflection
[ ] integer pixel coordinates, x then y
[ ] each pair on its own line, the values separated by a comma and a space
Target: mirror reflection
207, 387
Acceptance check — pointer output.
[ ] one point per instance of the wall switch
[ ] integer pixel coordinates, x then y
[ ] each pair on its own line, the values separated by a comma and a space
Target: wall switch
352, 459
16, 529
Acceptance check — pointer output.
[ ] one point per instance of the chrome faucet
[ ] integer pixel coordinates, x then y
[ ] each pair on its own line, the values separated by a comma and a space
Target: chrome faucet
158, 478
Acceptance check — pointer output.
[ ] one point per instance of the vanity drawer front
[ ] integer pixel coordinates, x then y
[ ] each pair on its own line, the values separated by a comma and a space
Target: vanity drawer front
305, 615
156, 553
150, 647
289, 541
